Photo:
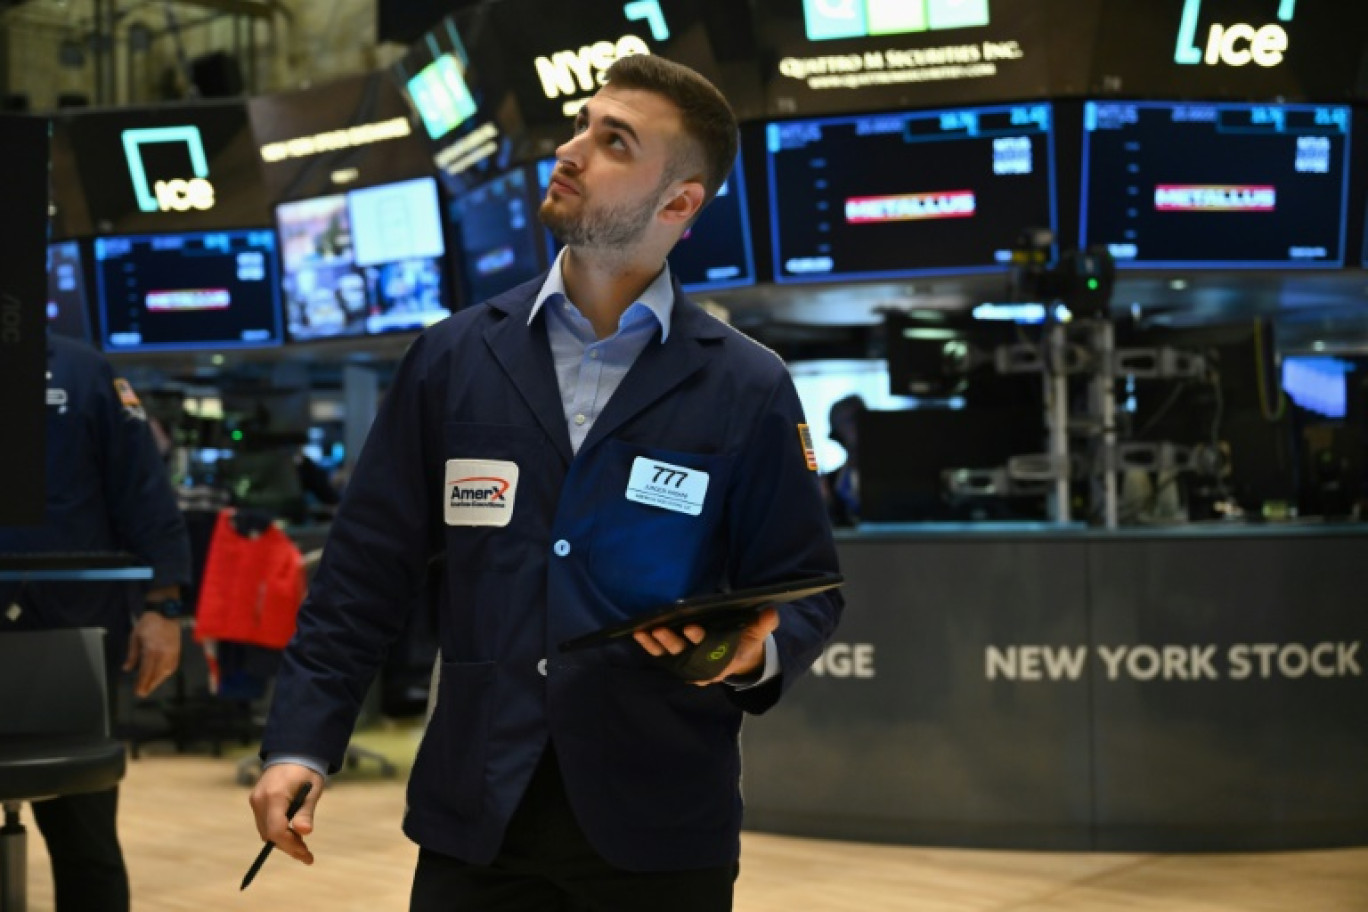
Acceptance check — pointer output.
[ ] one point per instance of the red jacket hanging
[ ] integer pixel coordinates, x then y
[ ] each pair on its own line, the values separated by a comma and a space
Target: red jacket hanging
252, 587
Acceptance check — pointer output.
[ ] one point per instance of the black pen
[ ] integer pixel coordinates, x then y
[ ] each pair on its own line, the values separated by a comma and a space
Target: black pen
295, 804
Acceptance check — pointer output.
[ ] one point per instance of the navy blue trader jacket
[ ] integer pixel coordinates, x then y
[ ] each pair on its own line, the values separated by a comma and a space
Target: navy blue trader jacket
470, 459
107, 490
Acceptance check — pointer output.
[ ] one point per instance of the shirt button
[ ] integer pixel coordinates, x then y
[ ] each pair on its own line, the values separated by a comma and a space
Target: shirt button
593, 355
580, 419
562, 548
541, 668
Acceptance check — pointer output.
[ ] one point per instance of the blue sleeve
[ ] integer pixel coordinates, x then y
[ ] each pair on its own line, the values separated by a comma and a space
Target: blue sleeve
779, 530
373, 564
142, 506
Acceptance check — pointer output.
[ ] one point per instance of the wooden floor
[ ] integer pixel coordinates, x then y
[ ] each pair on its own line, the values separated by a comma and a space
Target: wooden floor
188, 837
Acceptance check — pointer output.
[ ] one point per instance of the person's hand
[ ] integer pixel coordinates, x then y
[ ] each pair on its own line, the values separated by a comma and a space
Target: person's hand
747, 659
278, 784
154, 650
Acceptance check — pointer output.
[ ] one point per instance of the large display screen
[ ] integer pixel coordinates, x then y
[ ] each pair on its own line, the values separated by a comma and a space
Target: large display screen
715, 252
192, 167
501, 240
355, 131
186, 291
908, 194
835, 56
1216, 185
364, 262
67, 310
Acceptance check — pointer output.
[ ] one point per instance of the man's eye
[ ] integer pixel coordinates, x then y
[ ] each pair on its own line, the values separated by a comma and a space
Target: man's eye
617, 141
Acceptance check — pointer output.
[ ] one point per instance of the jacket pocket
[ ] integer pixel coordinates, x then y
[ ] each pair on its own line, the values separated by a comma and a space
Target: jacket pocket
648, 550
448, 772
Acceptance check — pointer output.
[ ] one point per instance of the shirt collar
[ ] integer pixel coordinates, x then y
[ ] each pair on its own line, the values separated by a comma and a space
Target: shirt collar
658, 297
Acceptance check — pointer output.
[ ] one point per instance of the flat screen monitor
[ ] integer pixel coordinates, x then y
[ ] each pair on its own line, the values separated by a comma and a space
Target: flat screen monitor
1207, 185
715, 252
501, 241
364, 262
67, 308
188, 291
907, 194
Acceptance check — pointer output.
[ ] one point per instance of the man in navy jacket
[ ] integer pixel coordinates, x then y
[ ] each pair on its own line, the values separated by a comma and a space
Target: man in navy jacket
107, 490
517, 443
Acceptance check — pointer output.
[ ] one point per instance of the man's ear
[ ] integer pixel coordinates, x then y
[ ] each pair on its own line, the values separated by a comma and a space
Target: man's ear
683, 202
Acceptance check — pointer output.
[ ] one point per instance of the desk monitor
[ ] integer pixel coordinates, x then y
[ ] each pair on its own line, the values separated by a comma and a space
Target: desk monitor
918, 193
67, 308
1216, 185
186, 291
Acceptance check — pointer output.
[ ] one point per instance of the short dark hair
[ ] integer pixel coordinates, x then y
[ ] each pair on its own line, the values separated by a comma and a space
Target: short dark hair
707, 117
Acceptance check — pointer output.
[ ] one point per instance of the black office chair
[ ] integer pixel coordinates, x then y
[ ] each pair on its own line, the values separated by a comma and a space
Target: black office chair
54, 734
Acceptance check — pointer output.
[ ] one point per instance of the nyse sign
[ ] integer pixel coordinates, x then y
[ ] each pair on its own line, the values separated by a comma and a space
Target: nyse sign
574, 72
1176, 662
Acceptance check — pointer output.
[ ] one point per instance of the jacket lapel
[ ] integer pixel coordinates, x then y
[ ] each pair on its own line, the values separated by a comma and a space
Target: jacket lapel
525, 356
660, 367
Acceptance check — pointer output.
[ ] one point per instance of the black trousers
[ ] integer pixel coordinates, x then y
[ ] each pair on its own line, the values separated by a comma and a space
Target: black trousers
88, 873
547, 865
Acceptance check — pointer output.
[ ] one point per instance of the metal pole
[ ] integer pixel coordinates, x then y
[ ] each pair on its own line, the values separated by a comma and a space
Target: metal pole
1057, 395
1104, 399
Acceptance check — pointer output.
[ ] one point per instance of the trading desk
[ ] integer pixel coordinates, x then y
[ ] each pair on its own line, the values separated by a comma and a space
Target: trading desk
1189, 688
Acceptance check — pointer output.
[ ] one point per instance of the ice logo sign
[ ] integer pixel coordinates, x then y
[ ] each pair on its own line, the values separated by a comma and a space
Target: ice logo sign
1237, 44
828, 19
177, 194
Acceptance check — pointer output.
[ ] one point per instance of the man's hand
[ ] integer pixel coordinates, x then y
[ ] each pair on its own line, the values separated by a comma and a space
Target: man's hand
154, 649
750, 651
278, 784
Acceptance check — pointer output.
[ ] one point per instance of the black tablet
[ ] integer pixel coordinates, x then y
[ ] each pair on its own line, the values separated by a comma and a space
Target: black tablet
715, 607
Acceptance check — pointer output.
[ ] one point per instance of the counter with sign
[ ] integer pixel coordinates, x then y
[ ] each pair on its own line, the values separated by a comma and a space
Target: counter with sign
1178, 689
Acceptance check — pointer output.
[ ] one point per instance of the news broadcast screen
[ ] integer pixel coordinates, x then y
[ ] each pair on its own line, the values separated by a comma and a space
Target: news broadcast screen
67, 310
908, 194
715, 252
186, 291
1216, 185
365, 262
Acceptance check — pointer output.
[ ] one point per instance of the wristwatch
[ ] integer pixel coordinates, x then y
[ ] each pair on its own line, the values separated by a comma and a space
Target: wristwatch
172, 609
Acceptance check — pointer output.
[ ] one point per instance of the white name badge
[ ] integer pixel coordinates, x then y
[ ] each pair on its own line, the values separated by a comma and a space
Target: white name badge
670, 487
479, 492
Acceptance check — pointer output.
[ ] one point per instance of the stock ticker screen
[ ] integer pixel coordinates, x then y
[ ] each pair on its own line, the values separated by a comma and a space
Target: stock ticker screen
186, 291
1216, 185
920, 193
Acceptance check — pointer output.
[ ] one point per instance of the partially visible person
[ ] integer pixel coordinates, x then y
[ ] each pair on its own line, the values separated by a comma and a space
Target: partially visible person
107, 490
841, 487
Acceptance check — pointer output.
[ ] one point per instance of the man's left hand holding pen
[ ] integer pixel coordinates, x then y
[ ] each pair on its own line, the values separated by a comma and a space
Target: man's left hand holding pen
279, 783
